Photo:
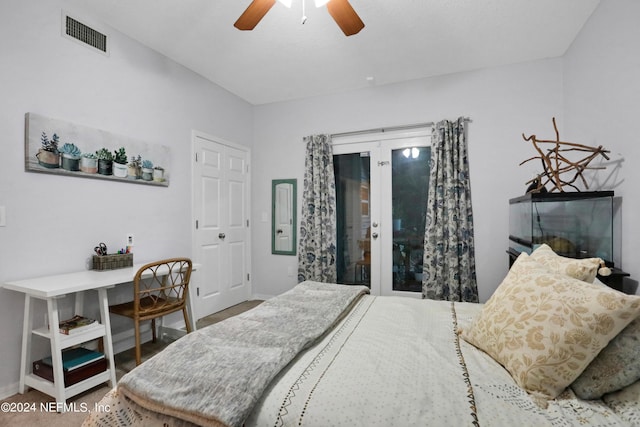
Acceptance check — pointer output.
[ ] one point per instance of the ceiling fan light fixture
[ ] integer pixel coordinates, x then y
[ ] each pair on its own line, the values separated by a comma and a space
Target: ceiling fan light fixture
340, 10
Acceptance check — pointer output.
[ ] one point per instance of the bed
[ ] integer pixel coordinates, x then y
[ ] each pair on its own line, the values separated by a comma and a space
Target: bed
333, 355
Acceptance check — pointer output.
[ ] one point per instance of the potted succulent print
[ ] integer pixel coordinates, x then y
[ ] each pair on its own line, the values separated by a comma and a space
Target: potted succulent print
135, 168
105, 161
120, 163
70, 157
147, 170
48, 156
89, 163
158, 174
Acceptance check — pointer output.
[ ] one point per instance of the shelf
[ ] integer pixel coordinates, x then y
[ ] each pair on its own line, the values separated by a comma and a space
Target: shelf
92, 333
48, 387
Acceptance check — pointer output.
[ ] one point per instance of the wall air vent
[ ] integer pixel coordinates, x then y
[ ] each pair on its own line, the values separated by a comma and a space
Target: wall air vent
88, 36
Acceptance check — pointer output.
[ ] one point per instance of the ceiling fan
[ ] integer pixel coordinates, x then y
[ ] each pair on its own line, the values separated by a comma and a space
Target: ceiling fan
341, 11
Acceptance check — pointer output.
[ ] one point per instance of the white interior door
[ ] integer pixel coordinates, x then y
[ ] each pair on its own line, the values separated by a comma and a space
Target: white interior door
221, 225
374, 247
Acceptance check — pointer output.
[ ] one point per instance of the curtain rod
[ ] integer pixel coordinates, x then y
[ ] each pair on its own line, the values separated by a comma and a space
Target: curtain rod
390, 129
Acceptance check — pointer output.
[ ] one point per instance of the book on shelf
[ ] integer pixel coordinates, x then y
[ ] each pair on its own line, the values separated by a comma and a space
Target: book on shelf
45, 371
76, 325
74, 358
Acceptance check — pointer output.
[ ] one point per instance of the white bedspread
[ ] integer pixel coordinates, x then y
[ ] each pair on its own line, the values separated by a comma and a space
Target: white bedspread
397, 361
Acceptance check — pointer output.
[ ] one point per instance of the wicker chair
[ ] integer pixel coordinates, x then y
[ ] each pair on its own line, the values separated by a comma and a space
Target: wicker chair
159, 288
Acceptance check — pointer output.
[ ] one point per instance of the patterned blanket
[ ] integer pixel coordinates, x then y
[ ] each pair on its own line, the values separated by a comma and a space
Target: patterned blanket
214, 376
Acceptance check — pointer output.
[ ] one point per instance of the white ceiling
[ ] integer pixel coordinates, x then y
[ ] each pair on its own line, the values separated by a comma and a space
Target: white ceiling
281, 59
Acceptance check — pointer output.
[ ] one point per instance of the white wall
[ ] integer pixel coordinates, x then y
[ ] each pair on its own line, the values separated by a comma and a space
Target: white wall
602, 107
53, 222
503, 103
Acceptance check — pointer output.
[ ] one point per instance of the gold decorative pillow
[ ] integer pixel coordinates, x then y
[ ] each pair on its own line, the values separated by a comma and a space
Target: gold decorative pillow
545, 328
584, 269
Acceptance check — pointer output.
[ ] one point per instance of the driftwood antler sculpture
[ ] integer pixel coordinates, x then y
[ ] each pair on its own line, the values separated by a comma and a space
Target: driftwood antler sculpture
556, 164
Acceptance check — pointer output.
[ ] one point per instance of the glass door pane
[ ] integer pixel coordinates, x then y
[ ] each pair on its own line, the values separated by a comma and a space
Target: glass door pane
353, 212
409, 187
381, 193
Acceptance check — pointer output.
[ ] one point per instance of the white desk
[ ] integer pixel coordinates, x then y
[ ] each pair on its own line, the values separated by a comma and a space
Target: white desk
50, 289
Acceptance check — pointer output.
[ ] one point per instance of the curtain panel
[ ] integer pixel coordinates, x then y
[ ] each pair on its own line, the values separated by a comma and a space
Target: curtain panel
317, 240
449, 271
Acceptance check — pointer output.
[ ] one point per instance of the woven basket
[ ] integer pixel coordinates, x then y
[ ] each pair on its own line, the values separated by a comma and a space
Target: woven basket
112, 262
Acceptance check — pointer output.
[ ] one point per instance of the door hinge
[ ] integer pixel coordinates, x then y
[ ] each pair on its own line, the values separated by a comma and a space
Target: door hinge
198, 292
197, 224
248, 277
196, 157
247, 223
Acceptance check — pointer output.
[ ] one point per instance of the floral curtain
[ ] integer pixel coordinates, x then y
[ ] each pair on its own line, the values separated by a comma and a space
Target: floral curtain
317, 242
449, 269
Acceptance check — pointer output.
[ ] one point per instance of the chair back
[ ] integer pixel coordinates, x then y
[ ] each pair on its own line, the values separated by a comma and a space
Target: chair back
161, 287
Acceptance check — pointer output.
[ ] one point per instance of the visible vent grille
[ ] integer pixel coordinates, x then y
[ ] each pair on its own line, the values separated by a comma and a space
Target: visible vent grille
85, 34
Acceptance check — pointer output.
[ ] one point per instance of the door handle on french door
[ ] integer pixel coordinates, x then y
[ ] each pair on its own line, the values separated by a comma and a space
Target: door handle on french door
221, 236
374, 235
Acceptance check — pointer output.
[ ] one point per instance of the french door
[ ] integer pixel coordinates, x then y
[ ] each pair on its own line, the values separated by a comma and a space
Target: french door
381, 191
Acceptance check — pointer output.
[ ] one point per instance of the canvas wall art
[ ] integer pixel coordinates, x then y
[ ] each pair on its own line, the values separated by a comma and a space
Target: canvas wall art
64, 148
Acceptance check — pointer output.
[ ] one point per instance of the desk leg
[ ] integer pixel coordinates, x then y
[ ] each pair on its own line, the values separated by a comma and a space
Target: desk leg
27, 326
56, 351
108, 342
190, 311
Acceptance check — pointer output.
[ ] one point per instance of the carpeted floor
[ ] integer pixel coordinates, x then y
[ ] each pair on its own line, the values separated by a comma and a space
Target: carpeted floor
38, 409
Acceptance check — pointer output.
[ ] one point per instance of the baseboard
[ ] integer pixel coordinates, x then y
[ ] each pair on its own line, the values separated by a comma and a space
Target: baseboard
174, 331
126, 339
9, 390
261, 297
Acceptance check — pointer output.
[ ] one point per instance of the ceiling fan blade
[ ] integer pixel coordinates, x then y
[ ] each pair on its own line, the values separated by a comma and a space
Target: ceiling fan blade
346, 18
253, 14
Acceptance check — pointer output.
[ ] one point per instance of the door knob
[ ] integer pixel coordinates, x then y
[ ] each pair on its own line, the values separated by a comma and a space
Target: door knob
374, 235
221, 236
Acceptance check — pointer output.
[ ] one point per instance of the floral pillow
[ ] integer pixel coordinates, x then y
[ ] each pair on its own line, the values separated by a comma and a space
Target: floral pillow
617, 366
584, 269
545, 327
